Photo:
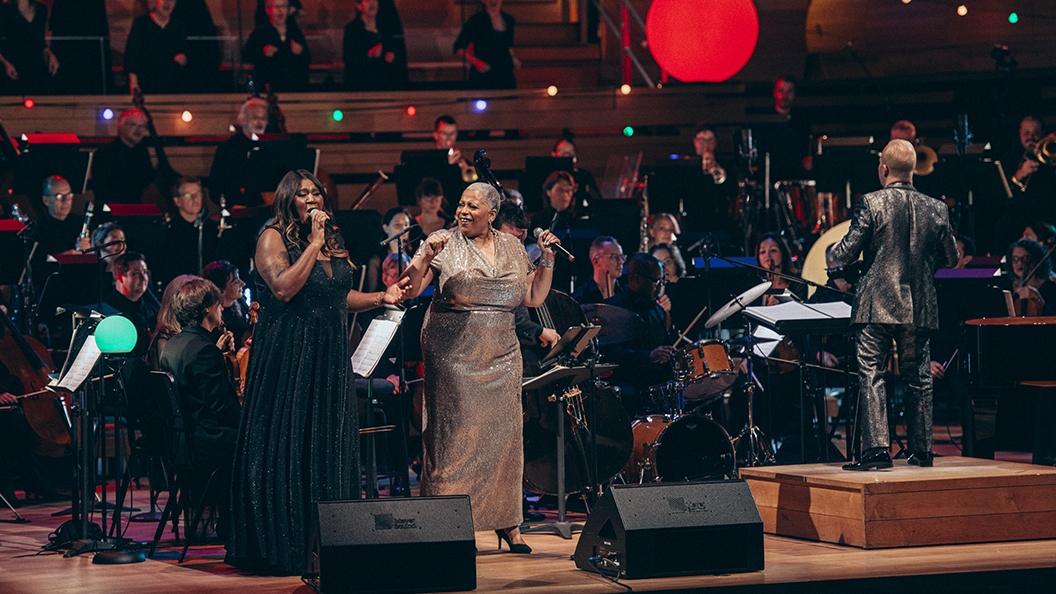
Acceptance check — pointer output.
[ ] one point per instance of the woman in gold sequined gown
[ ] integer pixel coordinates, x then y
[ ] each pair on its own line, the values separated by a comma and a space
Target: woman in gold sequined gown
472, 424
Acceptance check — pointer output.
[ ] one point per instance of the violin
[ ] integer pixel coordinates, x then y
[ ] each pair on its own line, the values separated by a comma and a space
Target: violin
238, 360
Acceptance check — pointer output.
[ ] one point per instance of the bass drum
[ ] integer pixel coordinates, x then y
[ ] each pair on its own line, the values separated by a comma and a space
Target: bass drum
672, 449
614, 439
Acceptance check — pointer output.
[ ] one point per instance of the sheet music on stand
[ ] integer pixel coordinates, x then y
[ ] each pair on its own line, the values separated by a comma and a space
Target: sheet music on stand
375, 342
81, 368
799, 318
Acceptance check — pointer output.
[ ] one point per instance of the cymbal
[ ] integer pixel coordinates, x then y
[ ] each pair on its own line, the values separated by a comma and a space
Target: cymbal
742, 341
737, 304
618, 324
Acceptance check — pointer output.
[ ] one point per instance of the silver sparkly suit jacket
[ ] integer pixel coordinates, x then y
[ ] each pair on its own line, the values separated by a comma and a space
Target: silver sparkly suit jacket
905, 237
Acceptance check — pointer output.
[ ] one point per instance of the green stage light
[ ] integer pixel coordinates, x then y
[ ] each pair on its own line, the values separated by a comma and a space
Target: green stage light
628, 131
115, 334
1013, 18
338, 115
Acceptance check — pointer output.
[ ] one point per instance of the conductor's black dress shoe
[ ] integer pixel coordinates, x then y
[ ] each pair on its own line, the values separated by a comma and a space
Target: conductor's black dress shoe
872, 459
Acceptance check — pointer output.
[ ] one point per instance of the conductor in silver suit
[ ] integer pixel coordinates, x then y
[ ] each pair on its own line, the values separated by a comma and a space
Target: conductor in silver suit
905, 237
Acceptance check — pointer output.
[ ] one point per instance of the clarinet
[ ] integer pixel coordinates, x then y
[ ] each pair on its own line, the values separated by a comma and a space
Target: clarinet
88, 208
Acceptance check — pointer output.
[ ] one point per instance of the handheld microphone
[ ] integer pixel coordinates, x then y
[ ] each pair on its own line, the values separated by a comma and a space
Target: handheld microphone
556, 245
396, 234
333, 227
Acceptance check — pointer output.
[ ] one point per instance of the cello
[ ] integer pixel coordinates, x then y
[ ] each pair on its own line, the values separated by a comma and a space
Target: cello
46, 412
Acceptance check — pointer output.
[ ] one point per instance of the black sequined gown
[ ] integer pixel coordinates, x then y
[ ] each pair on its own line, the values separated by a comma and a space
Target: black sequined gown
299, 437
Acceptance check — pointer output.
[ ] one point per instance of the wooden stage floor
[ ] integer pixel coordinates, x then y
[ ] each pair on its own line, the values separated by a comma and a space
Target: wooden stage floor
791, 566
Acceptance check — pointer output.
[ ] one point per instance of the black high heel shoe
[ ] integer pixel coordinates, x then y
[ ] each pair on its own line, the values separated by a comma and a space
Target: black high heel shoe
521, 549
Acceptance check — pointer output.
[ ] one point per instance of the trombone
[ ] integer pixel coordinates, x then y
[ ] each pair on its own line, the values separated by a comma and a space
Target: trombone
1044, 152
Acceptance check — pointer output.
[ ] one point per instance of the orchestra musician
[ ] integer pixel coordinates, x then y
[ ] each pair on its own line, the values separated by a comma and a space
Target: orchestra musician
445, 134
183, 255
664, 228
606, 259
166, 325
772, 253
132, 298
1032, 183
671, 259
225, 276
56, 231
230, 176
787, 140
208, 398
472, 437
1033, 283
586, 186
905, 237
122, 169
644, 360
430, 197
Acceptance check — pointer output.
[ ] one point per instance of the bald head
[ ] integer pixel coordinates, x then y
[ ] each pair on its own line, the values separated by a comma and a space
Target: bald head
897, 162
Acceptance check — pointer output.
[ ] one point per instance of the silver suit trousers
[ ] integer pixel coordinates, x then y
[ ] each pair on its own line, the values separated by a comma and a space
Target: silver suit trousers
914, 358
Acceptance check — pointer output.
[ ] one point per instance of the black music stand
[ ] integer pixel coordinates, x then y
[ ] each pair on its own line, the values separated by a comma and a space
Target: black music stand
803, 319
371, 349
556, 380
416, 165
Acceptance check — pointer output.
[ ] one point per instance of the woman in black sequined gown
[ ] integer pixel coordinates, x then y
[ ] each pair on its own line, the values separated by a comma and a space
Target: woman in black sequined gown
299, 436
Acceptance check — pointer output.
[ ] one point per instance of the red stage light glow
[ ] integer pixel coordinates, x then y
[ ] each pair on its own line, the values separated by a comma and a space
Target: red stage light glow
411, 110
28, 103
702, 40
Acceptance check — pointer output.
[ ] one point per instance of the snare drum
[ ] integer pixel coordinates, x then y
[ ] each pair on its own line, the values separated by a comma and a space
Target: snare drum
672, 449
706, 369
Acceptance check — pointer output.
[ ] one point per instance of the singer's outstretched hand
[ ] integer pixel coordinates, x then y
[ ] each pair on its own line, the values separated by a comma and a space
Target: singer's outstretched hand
544, 240
397, 291
435, 244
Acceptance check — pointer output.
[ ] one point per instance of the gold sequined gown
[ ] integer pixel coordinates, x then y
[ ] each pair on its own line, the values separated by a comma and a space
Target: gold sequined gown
472, 424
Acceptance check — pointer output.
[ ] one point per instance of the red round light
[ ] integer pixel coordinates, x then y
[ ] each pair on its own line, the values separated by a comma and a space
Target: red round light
28, 103
702, 40
411, 110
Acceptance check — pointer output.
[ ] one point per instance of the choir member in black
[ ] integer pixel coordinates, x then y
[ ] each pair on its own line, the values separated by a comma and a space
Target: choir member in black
486, 43
122, 169
586, 187
25, 57
644, 360
606, 259
85, 69
787, 140
180, 247
278, 51
207, 395
156, 53
203, 53
374, 51
230, 175
132, 299
260, 15
225, 276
